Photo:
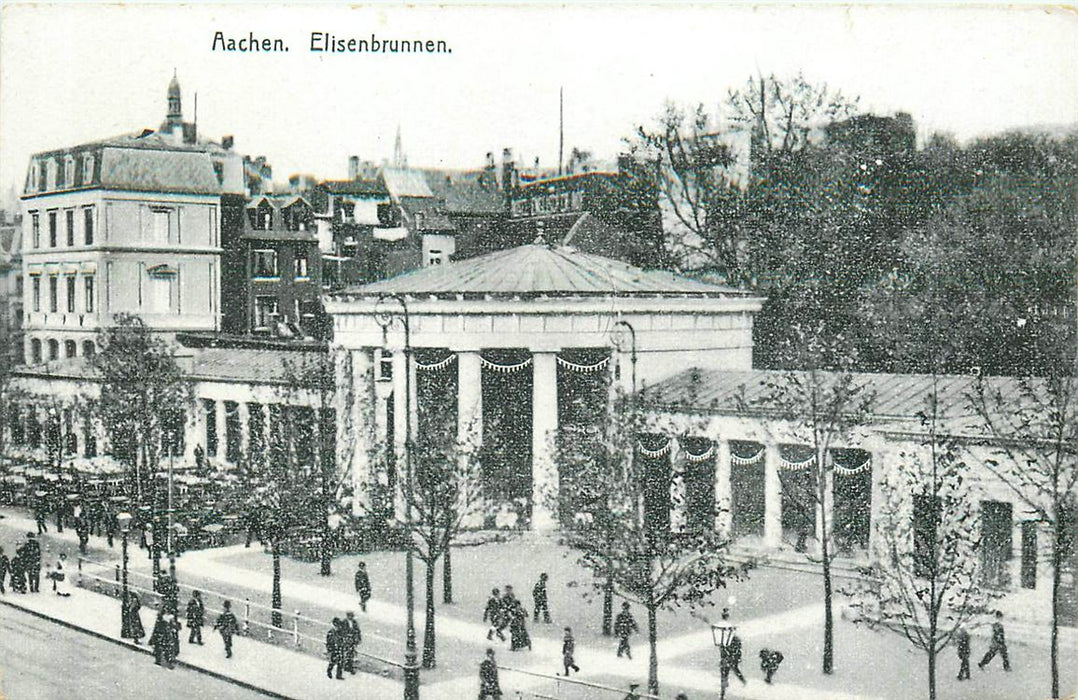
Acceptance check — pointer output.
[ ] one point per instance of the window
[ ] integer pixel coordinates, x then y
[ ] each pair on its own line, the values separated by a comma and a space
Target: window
301, 266
209, 408
35, 351
35, 226
71, 349
70, 294
159, 294
54, 349
52, 229
35, 284
69, 220
265, 311
54, 284
161, 225
264, 263
87, 170
88, 225
32, 182
69, 171
232, 431
89, 439
88, 283
385, 366
18, 285
88, 348
43, 178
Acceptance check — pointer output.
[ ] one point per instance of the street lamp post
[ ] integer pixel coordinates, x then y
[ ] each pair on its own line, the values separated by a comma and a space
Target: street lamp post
171, 542
385, 320
124, 522
722, 633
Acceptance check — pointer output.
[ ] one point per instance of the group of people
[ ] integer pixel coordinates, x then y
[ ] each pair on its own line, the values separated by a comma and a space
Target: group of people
165, 636
504, 610
342, 639
24, 569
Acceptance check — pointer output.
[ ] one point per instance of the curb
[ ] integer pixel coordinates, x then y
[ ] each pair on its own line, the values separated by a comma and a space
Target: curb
144, 650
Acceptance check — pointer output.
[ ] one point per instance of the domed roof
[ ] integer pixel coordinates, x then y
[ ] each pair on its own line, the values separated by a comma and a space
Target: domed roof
174, 86
541, 270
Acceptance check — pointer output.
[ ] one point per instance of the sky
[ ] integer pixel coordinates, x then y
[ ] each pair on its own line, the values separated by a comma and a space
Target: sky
75, 73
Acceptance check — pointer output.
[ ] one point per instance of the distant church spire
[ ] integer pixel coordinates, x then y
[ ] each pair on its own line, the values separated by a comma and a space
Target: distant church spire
399, 159
174, 117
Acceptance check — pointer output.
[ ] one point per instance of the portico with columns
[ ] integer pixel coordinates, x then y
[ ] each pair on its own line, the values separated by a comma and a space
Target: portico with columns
533, 310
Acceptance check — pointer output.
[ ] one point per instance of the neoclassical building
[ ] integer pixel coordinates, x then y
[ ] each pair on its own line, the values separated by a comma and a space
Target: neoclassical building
510, 327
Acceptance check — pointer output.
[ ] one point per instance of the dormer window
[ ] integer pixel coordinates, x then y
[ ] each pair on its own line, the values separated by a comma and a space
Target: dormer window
261, 217
69, 171
32, 181
42, 177
87, 170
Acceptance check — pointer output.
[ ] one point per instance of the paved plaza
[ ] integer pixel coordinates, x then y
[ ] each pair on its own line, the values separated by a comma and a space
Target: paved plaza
772, 608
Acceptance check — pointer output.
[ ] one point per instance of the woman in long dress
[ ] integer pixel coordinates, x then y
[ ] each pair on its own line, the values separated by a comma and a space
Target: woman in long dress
518, 630
132, 621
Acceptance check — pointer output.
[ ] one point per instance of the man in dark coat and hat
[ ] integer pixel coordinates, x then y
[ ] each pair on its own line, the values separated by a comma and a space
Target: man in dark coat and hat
335, 644
32, 562
493, 614
196, 617
227, 625
624, 625
363, 585
488, 678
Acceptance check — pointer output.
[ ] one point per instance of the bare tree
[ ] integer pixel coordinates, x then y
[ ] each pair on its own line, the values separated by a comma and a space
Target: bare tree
1033, 425
609, 518
447, 493
820, 409
926, 584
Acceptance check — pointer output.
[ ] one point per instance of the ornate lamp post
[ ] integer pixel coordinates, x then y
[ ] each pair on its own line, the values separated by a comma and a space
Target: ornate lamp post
124, 522
385, 317
721, 634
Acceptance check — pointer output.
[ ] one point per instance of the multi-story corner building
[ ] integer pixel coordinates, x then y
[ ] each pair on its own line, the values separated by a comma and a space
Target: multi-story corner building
126, 225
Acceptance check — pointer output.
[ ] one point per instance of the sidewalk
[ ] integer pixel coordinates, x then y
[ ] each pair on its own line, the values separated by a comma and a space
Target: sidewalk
269, 669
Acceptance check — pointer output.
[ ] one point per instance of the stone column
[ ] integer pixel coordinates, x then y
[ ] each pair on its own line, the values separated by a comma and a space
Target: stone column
772, 497
354, 413
400, 430
469, 400
244, 414
723, 494
544, 429
679, 506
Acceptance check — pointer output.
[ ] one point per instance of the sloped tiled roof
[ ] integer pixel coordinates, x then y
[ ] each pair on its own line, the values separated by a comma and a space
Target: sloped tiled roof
158, 170
894, 396
541, 270
404, 182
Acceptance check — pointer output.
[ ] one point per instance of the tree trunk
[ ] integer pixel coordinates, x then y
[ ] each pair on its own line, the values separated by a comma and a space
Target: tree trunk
428, 627
932, 672
326, 545
276, 595
653, 652
447, 577
1057, 561
608, 601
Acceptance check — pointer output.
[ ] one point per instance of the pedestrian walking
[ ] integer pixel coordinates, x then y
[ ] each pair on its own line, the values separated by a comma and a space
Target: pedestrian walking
5, 566
731, 659
493, 614
227, 625
131, 618
58, 576
509, 604
568, 650
999, 644
335, 648
196, 618
770, 659
40, 510
32, 562
170, 593
18, 571
363, 585
962, 646
172, 647
488, 678
518, 629
625, 625
159, 639
353, 637
540, 599
82, 530
112, 526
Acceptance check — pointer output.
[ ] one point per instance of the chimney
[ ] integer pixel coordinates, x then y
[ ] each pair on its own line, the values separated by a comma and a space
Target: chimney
508, 169
227, 142
353, 167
